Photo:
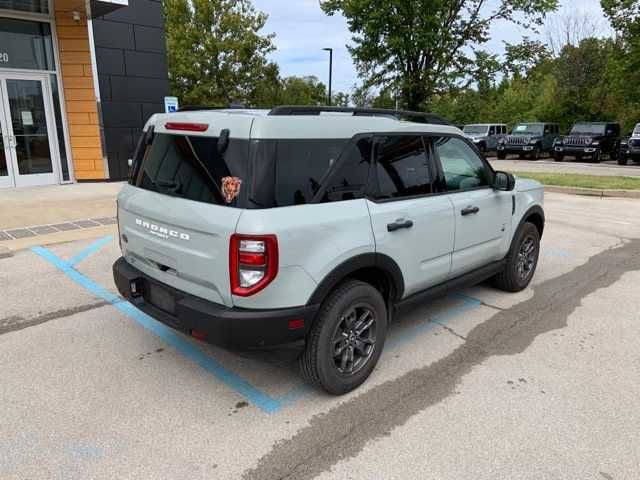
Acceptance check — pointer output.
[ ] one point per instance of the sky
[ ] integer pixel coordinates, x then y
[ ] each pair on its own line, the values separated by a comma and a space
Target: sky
302, 30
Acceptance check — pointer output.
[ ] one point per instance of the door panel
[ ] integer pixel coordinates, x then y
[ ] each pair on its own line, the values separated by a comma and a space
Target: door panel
423, 252
480, 237
410, 224
482, 214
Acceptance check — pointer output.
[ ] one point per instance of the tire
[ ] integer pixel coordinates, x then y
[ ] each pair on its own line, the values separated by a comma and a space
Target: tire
558, 157
521, 156
596, 157
321, 363
622, 160
501, 155
535, 155
521, 265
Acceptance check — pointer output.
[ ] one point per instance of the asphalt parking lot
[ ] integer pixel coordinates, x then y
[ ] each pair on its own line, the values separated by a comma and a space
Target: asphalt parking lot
480, 385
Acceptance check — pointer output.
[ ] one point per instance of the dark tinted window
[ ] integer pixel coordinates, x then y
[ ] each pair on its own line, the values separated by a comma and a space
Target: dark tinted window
350, 180
301, 166
463, 169
401, 167
25, 44
191, 168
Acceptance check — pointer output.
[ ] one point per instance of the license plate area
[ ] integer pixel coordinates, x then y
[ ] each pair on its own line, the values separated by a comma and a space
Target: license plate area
160, 298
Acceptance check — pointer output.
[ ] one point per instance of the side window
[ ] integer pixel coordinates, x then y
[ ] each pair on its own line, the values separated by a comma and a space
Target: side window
547, 129
350, 181
462, 167
504, 129
492, 130
301, 165
401, 167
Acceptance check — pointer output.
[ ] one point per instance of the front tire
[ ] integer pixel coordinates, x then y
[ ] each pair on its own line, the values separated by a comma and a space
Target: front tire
522, 260
501, 155
346, 339
558, 157
535, 155
622, 160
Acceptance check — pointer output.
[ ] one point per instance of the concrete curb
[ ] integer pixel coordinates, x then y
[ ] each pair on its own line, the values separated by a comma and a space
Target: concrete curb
594, 192
8, 247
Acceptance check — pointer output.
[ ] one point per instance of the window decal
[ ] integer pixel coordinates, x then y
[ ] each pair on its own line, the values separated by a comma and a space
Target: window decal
230, 188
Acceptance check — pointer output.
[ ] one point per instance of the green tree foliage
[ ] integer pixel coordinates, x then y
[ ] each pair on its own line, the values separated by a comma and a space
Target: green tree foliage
427, 47
215, 51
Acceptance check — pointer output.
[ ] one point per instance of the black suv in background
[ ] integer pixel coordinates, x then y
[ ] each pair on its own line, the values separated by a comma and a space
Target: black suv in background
532, 139
589, 140
630, 148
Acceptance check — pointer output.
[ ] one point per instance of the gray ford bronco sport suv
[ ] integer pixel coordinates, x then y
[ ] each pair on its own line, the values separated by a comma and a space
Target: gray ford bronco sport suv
310, 230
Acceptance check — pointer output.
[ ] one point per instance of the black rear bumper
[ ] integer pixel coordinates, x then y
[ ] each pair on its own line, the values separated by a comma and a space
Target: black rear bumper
231, 328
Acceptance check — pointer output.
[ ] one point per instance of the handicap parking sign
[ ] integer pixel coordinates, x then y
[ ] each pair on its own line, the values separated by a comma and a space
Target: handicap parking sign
170, 104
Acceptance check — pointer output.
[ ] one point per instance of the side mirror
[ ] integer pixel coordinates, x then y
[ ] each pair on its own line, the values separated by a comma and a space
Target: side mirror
504, 181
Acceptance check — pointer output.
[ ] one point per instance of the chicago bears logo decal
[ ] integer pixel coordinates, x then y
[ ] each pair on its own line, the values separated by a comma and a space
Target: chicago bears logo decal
230, 188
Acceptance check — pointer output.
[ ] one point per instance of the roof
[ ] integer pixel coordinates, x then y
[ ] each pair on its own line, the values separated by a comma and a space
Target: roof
249, 123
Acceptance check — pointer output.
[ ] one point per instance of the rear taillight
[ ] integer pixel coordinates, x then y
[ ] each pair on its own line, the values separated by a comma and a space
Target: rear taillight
253, 263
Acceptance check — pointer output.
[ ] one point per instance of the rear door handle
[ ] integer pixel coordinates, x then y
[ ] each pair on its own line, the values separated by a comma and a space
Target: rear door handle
398, 224
470, 210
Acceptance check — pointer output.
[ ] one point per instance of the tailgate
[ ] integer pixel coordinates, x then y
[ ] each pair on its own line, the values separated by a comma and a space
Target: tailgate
179, 242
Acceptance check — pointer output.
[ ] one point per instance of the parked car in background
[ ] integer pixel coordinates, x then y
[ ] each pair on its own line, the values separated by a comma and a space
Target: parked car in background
591, 140
630, 148
532, 139
485, 136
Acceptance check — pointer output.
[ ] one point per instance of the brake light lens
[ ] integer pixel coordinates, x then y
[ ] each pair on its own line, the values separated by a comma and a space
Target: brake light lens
253, 263
187, 127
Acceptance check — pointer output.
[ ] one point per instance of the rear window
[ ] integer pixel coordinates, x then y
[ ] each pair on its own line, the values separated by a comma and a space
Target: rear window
191, 167
249, 174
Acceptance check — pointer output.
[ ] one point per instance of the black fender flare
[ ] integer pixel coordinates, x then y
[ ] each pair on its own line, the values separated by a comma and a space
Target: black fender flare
535, 209
358, 262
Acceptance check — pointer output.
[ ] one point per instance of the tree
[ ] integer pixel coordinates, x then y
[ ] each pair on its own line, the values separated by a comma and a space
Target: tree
426, 47
214, 50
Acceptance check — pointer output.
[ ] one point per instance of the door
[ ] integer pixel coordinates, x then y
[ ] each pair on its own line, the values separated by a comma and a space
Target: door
28, 131
482, 215
411, 225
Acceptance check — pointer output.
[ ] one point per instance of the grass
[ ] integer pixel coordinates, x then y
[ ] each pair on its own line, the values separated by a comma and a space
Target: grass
583, 181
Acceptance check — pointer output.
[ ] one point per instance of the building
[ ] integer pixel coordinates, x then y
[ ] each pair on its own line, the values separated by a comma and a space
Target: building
78, 79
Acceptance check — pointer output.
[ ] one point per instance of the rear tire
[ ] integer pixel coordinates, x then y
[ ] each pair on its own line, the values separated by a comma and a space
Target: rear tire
558, 157
346, 339
622, 160
501, 155
596, 157
522, 260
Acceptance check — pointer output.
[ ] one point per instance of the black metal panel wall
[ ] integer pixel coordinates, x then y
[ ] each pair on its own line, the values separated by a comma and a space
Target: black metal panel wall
132, 72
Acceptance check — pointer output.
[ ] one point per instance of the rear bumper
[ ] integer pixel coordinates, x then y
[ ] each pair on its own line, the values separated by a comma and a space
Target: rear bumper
231, 328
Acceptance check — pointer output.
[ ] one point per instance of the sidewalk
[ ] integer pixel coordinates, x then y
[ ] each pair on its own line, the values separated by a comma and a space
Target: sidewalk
56, 213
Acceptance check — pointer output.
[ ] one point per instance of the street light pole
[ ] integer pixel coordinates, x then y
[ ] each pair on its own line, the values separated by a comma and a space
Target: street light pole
330, 50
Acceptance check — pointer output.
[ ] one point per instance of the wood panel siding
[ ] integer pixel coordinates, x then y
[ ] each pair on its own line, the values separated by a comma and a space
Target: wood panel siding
77, 80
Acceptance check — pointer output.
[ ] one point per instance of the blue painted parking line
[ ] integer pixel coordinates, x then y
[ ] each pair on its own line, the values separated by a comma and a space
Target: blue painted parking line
90, 250
170, 336
234, 381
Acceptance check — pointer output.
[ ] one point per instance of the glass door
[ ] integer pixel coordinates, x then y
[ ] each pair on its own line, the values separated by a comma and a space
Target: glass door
30, 153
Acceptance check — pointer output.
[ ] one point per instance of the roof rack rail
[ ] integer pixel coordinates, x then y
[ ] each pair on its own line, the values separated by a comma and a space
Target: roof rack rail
196, 108
417, 117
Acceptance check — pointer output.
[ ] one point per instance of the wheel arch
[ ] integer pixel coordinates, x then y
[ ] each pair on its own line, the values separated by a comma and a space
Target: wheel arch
374, 268
534, 215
